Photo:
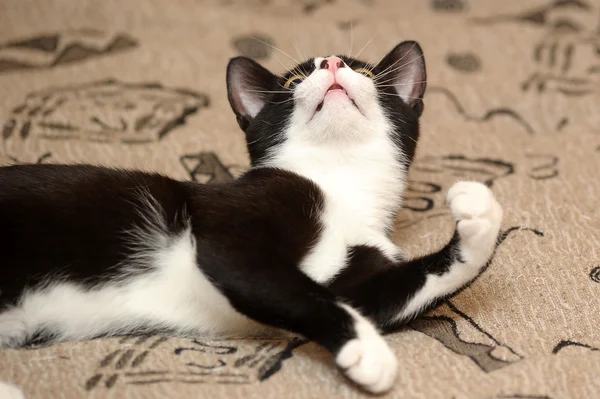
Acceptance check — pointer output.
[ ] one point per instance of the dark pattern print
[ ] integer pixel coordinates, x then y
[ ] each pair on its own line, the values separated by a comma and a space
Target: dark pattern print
464, 62
444, 330
562, 123
595, 274
348, 25
310, 6
206, 167
547, 168
106, 111
449, 5
216, 362
420, 203
258, 47
50, 50
567, 343
487, 116
567, 32
307, 7
485, 169
506, 233
41, 159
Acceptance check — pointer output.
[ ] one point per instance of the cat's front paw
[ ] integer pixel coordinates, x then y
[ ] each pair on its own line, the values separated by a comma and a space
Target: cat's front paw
368, 360
478, 217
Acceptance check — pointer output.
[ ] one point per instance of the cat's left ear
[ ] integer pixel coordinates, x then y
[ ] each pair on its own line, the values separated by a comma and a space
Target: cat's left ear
404, 68
248, 85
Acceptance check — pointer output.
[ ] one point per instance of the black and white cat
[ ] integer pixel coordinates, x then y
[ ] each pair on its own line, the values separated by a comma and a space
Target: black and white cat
301, 242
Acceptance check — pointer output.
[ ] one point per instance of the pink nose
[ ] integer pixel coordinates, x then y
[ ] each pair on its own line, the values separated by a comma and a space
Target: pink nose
332, 63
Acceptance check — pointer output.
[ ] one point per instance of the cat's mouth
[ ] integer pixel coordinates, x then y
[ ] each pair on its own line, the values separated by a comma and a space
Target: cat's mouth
333, 89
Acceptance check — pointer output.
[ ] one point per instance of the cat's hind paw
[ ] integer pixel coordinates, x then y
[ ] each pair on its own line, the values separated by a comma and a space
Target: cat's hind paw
368, 360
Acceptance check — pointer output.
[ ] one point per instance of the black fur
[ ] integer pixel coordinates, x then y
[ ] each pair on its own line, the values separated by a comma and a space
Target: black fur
67, 222
382, 289
404, 116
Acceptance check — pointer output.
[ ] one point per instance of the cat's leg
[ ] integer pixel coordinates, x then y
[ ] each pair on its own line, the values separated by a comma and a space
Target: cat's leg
396, 293
286, 298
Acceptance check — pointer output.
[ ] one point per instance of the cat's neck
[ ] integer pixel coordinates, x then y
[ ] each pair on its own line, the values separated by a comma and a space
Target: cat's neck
364, 181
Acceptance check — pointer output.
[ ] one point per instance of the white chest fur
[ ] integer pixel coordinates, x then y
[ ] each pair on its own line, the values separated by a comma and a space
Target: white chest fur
362, 183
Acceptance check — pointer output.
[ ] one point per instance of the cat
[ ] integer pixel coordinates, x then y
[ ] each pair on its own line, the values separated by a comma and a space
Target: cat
299, 243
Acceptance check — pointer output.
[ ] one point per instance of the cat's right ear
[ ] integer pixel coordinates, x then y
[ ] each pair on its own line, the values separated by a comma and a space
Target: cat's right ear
404, 69
248, 86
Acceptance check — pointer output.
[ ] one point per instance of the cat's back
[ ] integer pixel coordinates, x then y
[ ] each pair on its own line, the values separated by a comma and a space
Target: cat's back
84, 192
52, 181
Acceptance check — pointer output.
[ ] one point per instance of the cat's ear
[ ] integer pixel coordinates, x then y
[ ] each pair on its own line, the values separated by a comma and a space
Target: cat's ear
404, 68
248, 85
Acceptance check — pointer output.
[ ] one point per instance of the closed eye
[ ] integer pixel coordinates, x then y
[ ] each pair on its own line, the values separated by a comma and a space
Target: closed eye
294, 80
366, 72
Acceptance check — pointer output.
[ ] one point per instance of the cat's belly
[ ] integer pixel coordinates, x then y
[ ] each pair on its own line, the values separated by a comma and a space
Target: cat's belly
174, 297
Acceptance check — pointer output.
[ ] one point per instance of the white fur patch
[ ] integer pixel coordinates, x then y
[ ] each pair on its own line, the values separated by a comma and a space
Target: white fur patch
349, 154
479, 217
174, 294
9, 391
367, 360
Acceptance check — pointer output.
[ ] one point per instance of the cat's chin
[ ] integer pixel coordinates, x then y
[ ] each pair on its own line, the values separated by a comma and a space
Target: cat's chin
334, 97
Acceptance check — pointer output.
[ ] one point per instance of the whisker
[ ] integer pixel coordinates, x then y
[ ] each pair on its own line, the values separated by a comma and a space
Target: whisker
400, 76
281, 102
396, 69
406, 84
415, 141
397, 95
351, 39
382, 74
377, 63
298, 71
391, 68
268, 91
295, 42
383, 82
385, 71
285, 67
365, 46
275, 48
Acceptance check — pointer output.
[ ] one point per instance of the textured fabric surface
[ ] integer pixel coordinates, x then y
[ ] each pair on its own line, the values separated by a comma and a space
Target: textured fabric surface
513, 100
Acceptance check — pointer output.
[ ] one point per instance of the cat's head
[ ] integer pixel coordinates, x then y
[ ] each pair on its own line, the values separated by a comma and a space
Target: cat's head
334, 99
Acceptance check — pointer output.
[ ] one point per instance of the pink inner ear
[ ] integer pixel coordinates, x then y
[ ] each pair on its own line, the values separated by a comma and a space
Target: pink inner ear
237, 103
410, 83
247, 102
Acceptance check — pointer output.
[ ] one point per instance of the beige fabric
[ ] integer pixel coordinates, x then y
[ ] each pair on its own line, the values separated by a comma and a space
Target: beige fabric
513, 99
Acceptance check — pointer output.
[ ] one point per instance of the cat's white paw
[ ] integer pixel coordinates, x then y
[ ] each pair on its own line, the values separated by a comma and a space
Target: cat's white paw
479, 216
9, 391
368, 360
